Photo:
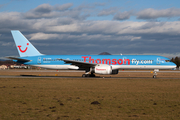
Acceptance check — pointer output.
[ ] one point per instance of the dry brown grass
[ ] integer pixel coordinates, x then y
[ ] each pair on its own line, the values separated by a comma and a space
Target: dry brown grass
71, 98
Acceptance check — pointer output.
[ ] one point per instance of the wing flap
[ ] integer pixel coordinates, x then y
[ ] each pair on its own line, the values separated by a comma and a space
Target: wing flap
78, 63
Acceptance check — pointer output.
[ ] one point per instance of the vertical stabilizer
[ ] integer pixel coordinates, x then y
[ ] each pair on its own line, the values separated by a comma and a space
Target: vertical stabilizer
24, 47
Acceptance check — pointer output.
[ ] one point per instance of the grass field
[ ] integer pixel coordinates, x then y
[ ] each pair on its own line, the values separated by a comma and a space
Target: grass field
71, 98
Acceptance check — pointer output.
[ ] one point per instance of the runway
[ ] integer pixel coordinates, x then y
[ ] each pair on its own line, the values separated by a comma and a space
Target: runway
123, 74
33, 76
79, 71
74, 77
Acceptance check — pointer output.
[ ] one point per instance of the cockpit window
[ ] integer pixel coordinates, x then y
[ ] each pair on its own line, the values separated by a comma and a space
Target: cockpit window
167, 60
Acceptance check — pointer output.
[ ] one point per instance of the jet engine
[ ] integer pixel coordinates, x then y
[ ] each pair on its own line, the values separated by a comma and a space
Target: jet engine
104, 69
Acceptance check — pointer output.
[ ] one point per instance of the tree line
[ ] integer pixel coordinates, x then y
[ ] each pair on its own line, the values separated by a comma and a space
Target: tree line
176, 60
8, 62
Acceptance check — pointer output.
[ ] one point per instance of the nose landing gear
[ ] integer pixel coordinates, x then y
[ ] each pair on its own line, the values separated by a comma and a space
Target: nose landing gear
155, 73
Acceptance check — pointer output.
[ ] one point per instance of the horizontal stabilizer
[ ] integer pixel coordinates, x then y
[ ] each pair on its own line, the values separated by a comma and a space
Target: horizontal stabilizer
19, 59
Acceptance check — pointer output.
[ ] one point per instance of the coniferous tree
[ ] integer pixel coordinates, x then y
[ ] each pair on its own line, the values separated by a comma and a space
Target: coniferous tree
176, 60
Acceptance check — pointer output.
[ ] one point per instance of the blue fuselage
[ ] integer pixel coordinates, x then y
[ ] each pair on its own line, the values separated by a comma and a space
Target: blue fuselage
120, 61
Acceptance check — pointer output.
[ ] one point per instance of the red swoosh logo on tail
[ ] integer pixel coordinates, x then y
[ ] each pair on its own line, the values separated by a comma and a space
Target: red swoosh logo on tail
19, 46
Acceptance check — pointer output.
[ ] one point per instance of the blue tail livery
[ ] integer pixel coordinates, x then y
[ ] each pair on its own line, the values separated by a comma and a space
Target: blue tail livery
24, 47
91, 64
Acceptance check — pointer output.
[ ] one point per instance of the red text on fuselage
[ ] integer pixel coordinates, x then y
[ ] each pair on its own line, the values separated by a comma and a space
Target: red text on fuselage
107, 61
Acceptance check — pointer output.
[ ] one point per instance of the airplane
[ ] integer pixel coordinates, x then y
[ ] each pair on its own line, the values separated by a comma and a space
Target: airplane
91, 64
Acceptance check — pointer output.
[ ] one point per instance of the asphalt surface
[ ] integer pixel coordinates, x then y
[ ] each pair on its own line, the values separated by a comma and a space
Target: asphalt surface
163, 71
36, 76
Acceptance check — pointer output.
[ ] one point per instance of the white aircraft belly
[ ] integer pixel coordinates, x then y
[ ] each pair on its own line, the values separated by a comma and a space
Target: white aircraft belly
60, 67
114, 67
141, 67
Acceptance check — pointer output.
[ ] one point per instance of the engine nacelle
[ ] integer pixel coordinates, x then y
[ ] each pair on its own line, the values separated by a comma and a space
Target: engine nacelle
104, 69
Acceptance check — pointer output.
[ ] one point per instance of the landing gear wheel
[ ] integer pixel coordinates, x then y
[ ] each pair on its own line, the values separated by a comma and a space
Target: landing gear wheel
92, 75
155, 73
88, 75
84, 75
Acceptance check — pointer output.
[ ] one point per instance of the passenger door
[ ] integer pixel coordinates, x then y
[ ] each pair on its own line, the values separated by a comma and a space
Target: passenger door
39, 60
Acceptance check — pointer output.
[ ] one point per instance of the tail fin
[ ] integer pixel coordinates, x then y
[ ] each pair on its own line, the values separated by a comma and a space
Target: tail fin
24, 47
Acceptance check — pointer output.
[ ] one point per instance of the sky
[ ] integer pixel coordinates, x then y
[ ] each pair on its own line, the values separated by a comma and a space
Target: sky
76, 27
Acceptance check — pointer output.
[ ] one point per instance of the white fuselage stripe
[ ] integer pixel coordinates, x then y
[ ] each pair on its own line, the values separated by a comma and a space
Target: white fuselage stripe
114, 67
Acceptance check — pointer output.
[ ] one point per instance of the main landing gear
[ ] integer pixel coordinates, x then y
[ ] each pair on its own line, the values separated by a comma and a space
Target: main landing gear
88, 75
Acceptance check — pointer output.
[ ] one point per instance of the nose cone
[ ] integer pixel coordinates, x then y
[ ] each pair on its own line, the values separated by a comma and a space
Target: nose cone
173, 65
